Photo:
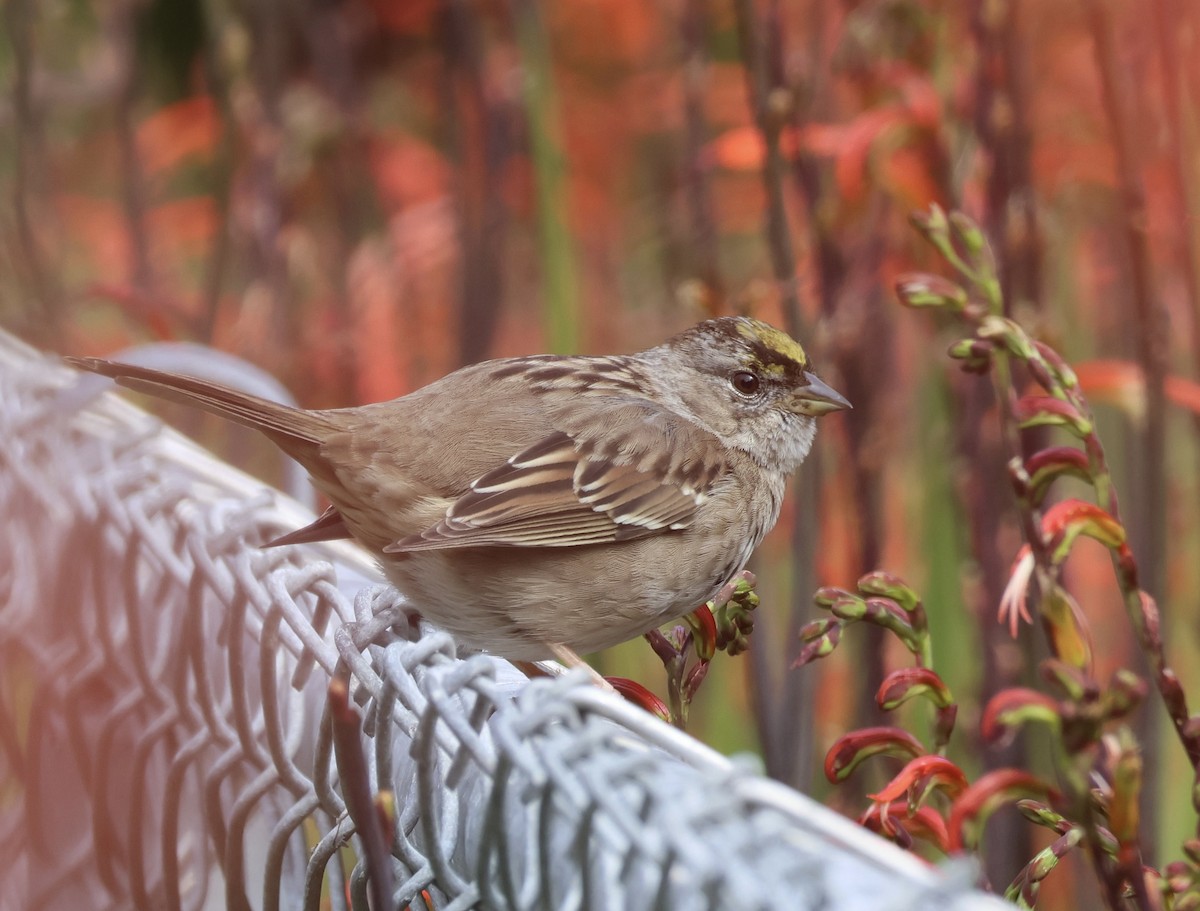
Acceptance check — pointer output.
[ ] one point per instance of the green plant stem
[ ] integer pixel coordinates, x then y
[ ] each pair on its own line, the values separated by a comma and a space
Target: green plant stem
1149, 324
676, 701
549, 172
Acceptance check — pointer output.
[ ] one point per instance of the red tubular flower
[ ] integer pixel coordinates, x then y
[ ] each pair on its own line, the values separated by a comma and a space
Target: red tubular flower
901, 685
818, 644
888, 585
1011, 708
989, 793
851, 749
704, 632
640, 696
1047, 411
924, 823
920, 289
1046, 465
1068, 519
923, 770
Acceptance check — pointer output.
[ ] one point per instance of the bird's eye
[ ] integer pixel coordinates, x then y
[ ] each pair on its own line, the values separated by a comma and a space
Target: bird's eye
745, 382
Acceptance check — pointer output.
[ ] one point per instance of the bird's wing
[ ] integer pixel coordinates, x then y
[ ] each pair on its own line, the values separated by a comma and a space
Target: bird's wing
635, 471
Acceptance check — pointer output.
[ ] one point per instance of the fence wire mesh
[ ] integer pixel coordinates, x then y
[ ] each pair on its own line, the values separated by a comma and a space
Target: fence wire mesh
169, 735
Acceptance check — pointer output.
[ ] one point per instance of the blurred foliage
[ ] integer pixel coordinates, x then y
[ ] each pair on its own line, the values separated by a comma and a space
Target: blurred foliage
361, 195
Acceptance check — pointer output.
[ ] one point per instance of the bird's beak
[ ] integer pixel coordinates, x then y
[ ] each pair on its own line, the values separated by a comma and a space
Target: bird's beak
815, 398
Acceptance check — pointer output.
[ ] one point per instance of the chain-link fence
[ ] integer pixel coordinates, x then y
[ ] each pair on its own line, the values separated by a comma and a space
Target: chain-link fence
170, 738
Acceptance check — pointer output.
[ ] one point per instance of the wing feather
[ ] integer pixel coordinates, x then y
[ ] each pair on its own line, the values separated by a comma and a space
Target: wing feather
574, 489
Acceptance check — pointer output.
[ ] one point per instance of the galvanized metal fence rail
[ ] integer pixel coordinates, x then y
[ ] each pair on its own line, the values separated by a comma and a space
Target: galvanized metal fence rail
169, 737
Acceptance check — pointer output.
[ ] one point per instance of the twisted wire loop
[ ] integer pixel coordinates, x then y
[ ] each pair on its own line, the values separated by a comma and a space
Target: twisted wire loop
188, 721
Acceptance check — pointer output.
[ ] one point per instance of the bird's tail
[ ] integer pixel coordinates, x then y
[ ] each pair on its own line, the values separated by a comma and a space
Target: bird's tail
297, 432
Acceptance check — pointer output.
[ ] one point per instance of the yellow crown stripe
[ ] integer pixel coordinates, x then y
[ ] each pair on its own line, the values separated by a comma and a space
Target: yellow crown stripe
773, 339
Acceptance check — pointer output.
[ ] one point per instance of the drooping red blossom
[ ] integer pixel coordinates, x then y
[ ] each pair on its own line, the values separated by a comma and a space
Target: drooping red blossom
904, 683
849, 750
985, 796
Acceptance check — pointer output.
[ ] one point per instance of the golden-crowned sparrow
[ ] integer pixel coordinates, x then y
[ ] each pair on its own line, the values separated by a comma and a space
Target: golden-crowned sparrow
536, 504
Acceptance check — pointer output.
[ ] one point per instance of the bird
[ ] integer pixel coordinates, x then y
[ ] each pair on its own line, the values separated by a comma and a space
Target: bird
551, 506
